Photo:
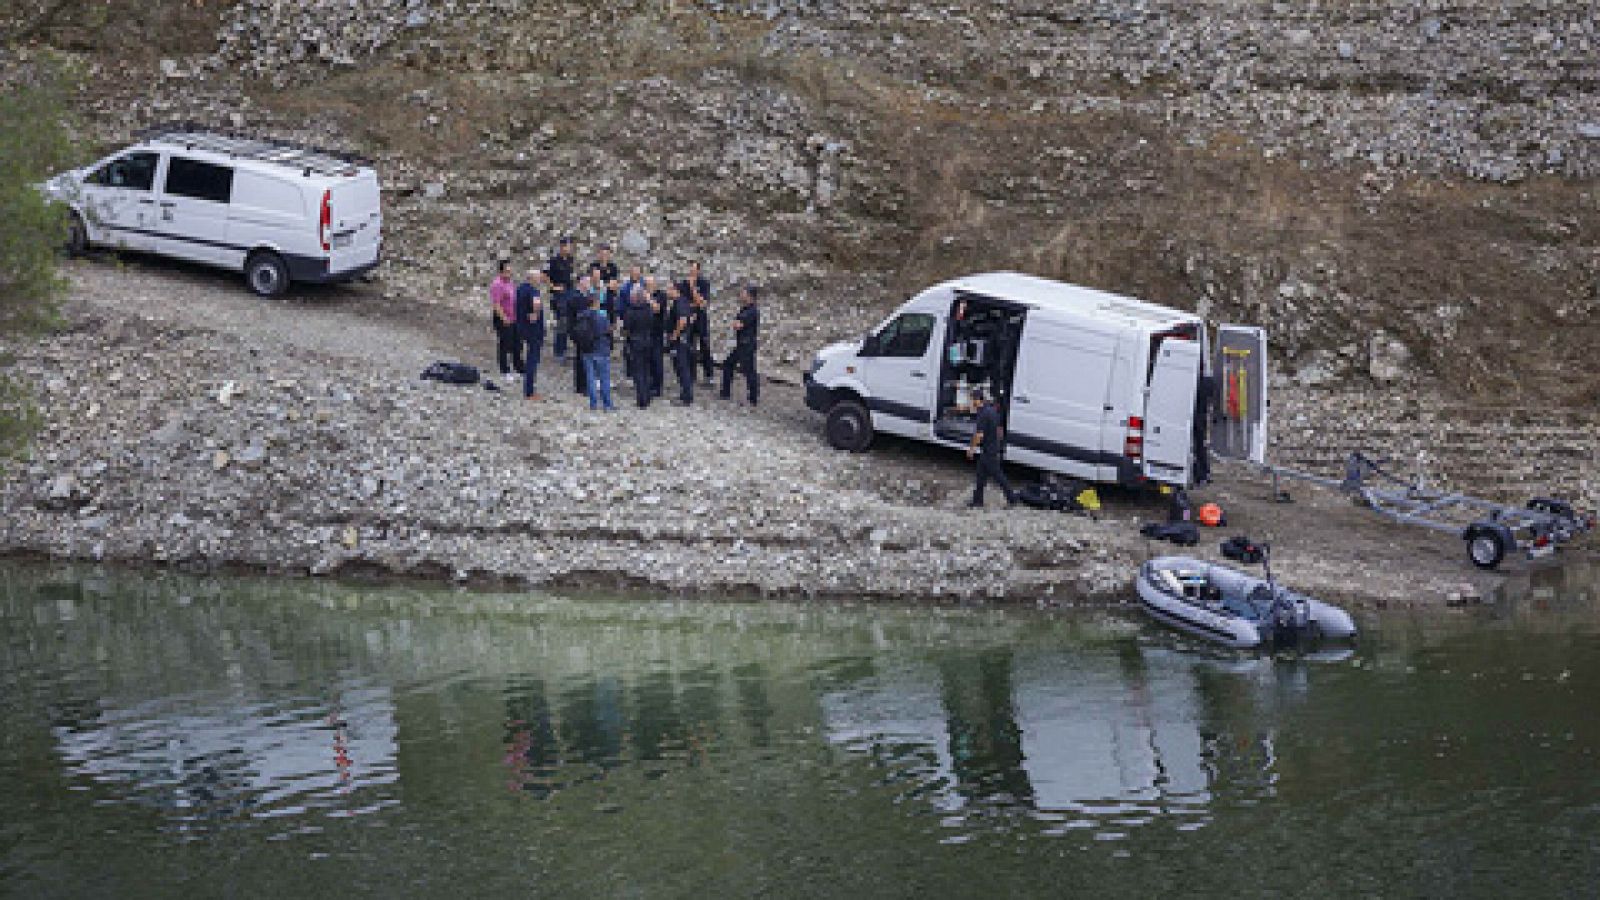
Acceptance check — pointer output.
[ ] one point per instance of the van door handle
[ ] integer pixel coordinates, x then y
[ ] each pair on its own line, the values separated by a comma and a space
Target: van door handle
919, 374
167, 204
1020, 398
147, 200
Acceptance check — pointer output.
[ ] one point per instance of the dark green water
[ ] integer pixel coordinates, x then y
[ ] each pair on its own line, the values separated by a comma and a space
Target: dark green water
163, 736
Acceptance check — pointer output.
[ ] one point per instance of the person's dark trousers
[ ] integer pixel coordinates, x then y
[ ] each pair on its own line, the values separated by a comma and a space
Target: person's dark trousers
532, 350
742, 357
560, 343
701, 335
580, 384
508, 347
658, 365
990, 468
683, 367
638, 355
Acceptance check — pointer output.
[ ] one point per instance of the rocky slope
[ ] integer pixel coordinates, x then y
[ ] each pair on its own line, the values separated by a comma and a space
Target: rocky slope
1405, 194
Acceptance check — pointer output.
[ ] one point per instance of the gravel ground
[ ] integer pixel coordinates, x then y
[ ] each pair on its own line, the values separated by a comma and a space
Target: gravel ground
191, 424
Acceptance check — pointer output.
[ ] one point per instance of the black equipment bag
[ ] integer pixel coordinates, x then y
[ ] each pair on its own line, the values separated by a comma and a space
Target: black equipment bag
451, 373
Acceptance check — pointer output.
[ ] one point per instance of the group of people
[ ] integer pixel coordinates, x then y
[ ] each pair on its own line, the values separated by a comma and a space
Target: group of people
586, 312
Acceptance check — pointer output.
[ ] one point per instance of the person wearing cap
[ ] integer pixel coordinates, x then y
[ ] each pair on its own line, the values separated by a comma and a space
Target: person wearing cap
697, 290
503, 304
746, 325
987, 445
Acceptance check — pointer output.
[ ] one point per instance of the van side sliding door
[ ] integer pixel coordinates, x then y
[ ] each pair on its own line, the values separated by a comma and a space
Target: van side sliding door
194, 211
1239, 414
1060, 399
1169, 411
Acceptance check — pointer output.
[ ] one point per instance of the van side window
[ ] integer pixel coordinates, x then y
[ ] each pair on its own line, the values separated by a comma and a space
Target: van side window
906, 336
135, 171
200, 180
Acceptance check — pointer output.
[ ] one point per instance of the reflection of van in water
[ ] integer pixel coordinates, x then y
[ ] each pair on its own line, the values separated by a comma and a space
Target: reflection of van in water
1088, 384
277, 212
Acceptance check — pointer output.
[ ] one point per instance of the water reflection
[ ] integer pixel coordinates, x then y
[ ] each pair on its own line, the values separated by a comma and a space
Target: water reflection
286, 711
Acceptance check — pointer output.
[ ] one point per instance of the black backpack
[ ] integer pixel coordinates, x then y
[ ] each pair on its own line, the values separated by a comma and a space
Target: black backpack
583, 332
451, 373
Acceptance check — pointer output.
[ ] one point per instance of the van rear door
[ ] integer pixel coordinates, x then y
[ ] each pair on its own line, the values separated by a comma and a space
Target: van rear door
1169, 411
1239, 414
354, 222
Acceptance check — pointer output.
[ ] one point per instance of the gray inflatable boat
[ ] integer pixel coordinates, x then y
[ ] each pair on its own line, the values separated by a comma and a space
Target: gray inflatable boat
1234, 608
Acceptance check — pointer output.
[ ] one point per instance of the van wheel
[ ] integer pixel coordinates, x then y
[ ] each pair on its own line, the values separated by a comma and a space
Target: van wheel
849, 426
77, 235
266, 273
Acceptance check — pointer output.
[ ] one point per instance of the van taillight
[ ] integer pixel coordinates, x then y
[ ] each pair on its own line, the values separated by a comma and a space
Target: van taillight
326, 223
1133, 444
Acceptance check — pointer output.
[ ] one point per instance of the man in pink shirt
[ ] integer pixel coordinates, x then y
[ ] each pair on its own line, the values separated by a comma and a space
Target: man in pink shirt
503, 299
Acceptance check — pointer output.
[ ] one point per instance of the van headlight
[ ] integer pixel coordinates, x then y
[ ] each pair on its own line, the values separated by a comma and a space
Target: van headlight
816, 364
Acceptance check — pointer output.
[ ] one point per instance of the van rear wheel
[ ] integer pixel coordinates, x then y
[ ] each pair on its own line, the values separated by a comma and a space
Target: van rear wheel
266, 273
849, 426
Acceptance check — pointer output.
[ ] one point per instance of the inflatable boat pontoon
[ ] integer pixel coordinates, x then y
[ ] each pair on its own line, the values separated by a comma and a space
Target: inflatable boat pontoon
1232, 608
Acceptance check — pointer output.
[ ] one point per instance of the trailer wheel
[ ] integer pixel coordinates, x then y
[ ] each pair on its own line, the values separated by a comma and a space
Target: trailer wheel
1485, 547
849, 426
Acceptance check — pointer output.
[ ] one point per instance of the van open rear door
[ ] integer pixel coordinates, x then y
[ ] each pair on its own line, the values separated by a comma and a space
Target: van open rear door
1169, 411
1239, 414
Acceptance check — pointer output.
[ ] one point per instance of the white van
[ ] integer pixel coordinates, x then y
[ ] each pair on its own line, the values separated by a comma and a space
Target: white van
275, 211
1088, 384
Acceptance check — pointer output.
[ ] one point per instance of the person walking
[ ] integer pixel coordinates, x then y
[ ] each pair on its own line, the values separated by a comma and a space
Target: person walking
746, 327
697, 289
681, 326
530, 330
503, 300
639, 328
987, 444
597, 357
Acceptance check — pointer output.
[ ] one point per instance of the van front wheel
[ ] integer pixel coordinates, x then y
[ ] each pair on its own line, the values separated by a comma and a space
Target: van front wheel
849, 426
77, 235
266, 273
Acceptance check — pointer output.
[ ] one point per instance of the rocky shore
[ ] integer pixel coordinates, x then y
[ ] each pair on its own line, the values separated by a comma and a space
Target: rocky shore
190, 424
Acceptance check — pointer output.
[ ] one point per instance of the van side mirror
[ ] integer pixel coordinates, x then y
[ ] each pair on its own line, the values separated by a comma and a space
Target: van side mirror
870, 345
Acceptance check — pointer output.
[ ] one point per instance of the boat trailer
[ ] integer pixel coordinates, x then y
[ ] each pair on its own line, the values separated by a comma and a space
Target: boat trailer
1490, 530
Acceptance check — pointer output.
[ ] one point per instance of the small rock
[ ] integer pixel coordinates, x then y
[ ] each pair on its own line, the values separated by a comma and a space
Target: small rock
220, 460
634, 243
432, 190
226, 393
1347, 50
1590, 131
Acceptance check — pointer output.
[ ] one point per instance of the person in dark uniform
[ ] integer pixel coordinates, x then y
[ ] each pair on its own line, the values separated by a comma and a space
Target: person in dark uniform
530, 328
610, 274
1205, 396
560, 268
988, 447
639, 327
697, 289
578, 301
746, 327
682, 325
658, 336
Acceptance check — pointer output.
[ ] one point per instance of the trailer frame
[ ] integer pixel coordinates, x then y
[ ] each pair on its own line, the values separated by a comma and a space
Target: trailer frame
1490, 530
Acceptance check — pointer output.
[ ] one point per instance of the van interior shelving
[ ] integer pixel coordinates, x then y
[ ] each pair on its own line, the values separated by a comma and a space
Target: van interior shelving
979, 353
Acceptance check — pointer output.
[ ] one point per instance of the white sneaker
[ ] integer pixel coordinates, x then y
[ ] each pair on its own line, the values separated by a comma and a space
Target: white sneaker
509, 376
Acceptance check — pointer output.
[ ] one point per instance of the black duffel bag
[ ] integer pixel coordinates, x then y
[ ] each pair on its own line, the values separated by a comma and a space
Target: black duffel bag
451, 373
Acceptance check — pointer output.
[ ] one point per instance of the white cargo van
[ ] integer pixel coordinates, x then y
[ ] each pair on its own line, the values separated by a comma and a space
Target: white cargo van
1088, 384
276, 212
